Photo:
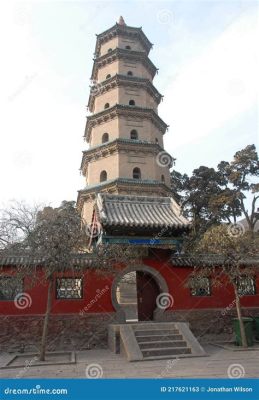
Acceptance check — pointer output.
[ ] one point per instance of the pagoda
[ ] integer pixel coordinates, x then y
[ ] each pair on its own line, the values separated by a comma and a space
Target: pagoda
126, 168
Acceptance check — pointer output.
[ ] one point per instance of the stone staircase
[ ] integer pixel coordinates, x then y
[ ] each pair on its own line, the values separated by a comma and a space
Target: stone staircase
150, 341
161, 342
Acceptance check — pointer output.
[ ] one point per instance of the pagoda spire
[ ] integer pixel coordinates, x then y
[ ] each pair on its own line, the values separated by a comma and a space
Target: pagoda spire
124, 132
121, 21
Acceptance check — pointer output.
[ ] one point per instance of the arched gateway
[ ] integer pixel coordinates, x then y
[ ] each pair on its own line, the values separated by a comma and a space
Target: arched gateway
149, 284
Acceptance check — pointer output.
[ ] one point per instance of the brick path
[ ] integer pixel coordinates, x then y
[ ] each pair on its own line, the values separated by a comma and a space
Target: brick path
116, 366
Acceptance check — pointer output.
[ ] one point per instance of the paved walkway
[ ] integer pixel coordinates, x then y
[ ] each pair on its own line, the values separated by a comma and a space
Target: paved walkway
109, 365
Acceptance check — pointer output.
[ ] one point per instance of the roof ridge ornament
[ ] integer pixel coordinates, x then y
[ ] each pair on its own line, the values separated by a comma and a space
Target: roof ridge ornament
121, 21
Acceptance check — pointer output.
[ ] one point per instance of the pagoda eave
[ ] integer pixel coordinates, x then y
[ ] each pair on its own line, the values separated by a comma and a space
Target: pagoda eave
122, 80
117, 145
123, 185
123, 110
123, 54
122, 30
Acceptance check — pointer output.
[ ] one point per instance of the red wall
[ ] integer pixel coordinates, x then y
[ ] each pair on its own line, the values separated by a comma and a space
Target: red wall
94, 283
177, 278
94, 286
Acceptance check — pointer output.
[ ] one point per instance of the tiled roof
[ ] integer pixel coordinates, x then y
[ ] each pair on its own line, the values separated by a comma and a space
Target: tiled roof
77, 260
139, 211
124, 185
207, 260
126, 181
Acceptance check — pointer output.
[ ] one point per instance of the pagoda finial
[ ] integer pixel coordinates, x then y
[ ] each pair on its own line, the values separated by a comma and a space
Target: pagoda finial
121, 21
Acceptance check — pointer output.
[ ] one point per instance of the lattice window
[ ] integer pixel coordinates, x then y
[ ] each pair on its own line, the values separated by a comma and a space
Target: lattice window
10, 287
200, 286
246, 285
69, 288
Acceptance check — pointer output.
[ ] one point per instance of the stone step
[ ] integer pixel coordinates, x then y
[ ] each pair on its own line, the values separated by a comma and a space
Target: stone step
160, 344
169, 351
154, 325
161, 332
167, 357
155, 338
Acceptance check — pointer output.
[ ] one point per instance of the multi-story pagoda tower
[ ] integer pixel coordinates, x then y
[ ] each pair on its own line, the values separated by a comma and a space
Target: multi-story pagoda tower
125, 133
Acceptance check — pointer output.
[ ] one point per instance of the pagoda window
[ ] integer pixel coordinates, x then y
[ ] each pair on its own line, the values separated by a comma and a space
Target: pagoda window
69, 288
128, 47
134, 134
130, 73
162, 178
103, 176
136, 173
107, 105
109, 50
10, 287
246, 285
108, 76
105, 137
156, 140
132, 102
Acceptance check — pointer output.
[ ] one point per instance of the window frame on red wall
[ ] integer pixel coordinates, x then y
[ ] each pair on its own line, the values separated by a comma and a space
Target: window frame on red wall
19, 290
69, 298
254, 285
192, 289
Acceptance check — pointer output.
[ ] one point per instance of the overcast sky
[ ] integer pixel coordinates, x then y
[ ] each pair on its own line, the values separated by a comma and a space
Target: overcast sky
207, 56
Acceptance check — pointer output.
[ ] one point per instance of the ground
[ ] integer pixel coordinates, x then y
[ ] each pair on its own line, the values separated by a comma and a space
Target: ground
219, 363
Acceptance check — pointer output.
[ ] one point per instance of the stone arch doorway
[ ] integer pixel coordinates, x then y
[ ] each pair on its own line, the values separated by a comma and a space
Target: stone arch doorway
149, 284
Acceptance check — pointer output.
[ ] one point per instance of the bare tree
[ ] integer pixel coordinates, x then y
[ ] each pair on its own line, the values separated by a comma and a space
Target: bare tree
17, 221
43, 236
50, 238
231, 263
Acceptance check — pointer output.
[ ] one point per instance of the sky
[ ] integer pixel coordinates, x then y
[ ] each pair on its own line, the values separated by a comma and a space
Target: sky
207, 56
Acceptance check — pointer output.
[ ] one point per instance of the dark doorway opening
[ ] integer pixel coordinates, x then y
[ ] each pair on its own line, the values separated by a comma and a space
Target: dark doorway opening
137, 293
147, 292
